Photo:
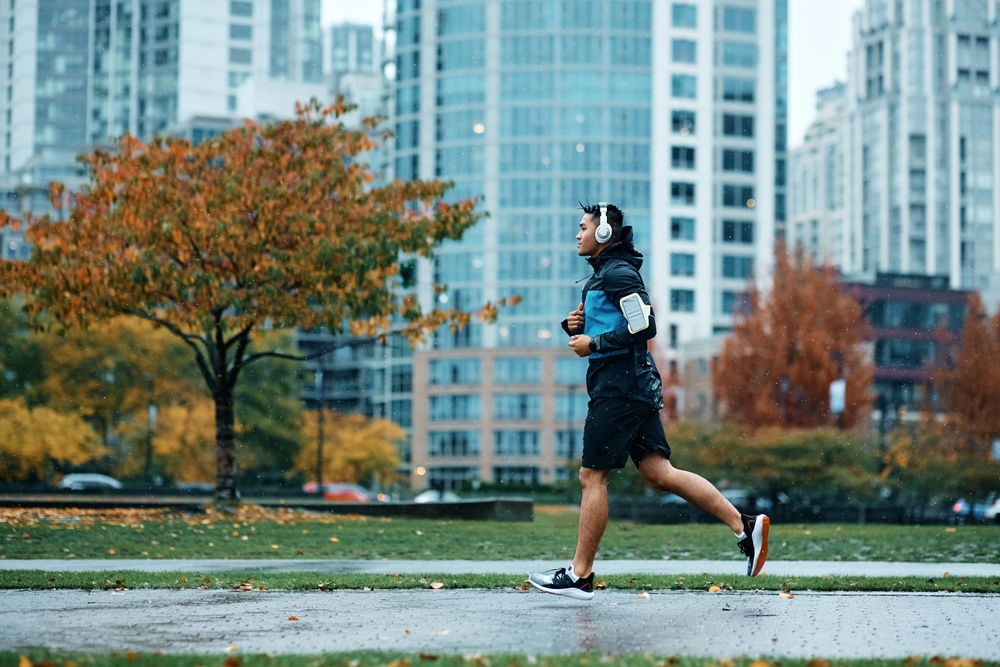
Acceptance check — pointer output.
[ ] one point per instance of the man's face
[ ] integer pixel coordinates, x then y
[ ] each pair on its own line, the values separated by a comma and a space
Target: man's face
586, 244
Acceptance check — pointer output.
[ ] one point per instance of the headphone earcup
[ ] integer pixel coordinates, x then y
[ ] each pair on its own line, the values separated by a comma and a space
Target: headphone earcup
603, 233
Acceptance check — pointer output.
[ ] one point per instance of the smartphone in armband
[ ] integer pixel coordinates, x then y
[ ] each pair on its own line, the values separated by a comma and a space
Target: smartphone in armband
636, 312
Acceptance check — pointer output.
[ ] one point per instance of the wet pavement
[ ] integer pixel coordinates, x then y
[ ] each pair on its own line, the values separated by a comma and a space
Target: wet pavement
463, 621
606, 567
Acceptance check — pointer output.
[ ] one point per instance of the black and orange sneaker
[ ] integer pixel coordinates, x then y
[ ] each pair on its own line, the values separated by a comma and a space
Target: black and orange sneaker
561, 583
754, 545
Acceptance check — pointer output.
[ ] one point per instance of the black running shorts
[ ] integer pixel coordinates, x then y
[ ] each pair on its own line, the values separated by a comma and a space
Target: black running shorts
617, 428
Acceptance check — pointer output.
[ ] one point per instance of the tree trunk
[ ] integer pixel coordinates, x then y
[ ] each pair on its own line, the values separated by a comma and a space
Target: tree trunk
225, 466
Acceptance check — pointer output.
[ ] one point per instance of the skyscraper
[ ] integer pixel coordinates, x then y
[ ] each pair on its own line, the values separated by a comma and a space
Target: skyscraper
919, 151
82, 72
673, 110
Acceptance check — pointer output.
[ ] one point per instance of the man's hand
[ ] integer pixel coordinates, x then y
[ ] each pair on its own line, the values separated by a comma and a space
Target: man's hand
575, 319
581, 345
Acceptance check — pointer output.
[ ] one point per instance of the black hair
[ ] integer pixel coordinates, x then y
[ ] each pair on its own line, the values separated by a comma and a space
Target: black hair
615, 217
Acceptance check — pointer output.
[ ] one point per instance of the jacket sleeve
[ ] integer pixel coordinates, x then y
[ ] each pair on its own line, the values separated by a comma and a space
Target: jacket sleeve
620, 282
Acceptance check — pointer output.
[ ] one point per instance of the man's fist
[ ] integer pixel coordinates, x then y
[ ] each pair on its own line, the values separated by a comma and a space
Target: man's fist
575, 319
581, 345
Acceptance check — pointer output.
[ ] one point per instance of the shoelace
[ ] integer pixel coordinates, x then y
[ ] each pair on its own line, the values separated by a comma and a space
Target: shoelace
745, 546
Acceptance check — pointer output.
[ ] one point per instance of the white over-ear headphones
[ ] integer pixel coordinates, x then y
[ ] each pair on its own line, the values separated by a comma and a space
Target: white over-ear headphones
604, 231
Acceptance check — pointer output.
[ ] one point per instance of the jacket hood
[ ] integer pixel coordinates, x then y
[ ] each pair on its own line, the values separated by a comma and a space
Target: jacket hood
623, 248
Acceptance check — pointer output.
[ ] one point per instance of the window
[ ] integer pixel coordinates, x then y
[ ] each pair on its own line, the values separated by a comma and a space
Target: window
407, 134
453, 443
238, 31
407, 167
461, 19
739, 19
733, 302
737, 161
236, 79
462, 54
408, 31
408, 65
459, 160
682, 300
629, 158
682, 229
684, 15
401, 378
682, 122
528, 15
739, 54
401, 412
631, 51
526, 51
453, 125
231, 102
408, 99
684, 50
681, 264
683, 86
454, 371
241, 8
737, 267
738, 195
454, 407
682, 194
237, 56
734, 231
738, 90
630, 15
672, 342
515, 475
682, 157
517, 370
737, 126
630, 122
515, 443
517, 407
571, 406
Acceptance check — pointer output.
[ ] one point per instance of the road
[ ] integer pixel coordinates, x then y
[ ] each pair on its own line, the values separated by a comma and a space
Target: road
463, 621
607, 567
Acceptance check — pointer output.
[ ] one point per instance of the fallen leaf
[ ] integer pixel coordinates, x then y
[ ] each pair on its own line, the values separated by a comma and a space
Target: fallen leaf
402, 662
760, 663
274, 546
334, 539
936, 660
406, 631
601, 585
714, 589
231, 661
206, 580
443, 632
945, 575
24, 662
787, 595
131, 655
729, 662
232, 647
436, 584
293, 618
305, 532
428, 656
111, 551
950, 662
245, 538
950, 530
644, 595
912, 660
818, 663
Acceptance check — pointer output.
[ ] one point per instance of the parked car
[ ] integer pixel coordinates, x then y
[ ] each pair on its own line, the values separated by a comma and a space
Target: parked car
992, 511
89, 482
435, 496
340, 491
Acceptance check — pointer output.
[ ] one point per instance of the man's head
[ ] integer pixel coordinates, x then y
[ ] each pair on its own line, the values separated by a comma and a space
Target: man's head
586, 241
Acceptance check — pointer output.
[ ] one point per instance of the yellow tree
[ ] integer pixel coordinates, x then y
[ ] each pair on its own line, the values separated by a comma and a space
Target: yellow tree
776, 367
264, 226
355, 448
36, 438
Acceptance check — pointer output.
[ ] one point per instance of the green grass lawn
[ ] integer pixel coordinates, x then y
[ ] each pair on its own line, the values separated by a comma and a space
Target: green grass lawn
255, 533
312, 581
387, 659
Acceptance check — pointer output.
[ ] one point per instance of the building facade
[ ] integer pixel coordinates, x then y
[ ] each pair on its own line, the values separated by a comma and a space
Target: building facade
920, 145
674, 111
79, 73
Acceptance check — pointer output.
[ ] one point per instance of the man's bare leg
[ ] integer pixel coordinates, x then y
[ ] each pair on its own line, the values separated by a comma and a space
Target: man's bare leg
593, 519
660, 474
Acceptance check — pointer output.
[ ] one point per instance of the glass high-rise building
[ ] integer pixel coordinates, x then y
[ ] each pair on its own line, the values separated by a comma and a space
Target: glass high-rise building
675, 111
916, 154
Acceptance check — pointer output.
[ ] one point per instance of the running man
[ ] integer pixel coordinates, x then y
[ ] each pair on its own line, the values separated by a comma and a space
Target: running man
611, 326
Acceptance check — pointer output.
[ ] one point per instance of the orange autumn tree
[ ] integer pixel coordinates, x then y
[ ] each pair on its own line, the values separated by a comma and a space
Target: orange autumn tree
265, 226
776, 367
971, 388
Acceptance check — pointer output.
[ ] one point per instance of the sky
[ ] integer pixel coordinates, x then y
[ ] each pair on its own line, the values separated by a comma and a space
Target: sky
819, 35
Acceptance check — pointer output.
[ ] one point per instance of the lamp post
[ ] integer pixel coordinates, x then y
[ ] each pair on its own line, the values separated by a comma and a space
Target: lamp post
570, 434
319, 425
151, 414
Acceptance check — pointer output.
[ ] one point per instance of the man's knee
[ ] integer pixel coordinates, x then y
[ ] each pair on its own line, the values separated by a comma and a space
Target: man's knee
657, 471
589, 477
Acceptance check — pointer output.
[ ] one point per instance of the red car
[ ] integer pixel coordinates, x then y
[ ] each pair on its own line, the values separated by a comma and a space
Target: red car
343, 492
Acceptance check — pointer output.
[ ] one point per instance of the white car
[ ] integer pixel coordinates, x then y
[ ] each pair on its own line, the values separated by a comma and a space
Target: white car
993, 511
89, 482
432, 496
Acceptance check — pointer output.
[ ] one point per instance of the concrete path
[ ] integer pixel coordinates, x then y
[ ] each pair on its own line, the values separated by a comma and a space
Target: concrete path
464, 621
607, 567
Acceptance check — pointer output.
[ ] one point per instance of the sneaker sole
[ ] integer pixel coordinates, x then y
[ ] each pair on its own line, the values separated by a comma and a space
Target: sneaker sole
760, 530
574, 593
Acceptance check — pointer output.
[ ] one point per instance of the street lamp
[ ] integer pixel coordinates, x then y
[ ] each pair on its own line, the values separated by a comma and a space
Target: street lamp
319, 425
151, 423
570, 434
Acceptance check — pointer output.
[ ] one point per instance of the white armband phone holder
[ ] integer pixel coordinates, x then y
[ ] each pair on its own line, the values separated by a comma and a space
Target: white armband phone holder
636, 312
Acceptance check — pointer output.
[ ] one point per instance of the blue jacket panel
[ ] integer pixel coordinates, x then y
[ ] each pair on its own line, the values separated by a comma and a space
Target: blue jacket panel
601, 316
